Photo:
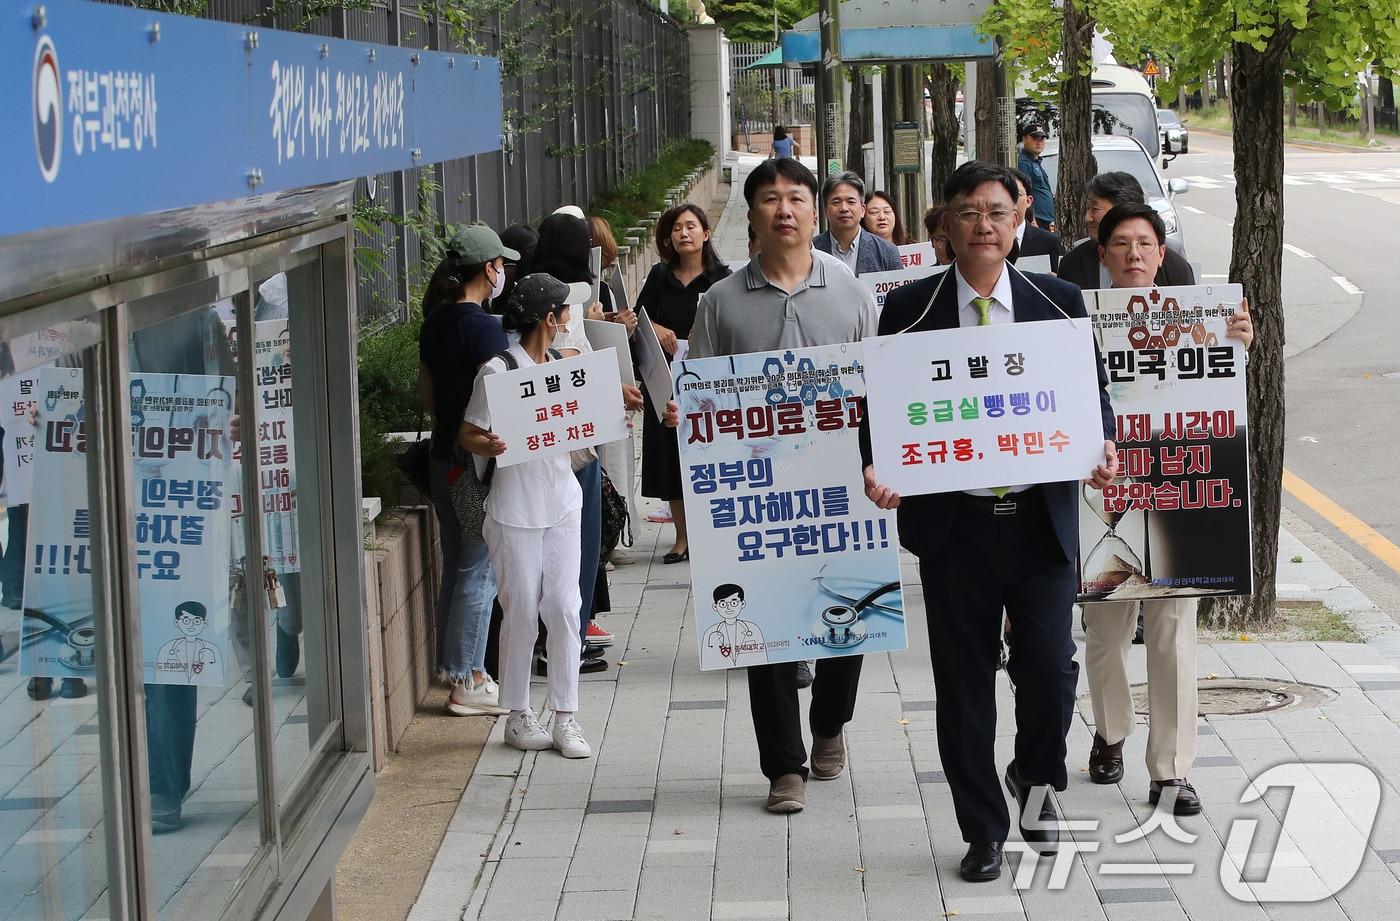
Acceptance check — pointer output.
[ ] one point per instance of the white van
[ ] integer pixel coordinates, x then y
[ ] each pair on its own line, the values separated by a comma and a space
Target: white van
1123, 104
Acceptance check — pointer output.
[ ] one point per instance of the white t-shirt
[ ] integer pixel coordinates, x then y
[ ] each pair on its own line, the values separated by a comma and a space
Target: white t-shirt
535, 494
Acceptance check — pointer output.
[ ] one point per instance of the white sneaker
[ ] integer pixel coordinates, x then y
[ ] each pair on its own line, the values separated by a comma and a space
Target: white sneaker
568, 738
471, 699
523, 731
620, 558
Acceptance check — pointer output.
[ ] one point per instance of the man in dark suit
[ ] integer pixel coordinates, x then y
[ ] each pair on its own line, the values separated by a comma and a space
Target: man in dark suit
843, 200
1082, 266
982, 551
1030, 239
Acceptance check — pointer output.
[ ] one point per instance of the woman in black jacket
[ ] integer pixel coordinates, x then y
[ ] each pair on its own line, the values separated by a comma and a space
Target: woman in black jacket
688, 266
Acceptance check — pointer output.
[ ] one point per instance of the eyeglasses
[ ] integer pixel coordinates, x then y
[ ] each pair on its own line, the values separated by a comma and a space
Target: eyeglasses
1126, 246
970, 217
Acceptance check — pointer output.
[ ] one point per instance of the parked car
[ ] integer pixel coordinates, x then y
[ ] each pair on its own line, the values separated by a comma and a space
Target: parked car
1116, 152
1175, 137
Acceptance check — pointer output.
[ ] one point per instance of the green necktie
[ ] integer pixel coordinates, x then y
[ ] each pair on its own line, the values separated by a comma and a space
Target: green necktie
984, 318
984, 310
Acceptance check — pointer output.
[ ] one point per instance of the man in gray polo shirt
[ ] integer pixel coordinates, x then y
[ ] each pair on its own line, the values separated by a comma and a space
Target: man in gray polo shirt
788, 296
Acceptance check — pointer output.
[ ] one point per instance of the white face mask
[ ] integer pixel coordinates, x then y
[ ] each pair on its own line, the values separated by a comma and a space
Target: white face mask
500, 283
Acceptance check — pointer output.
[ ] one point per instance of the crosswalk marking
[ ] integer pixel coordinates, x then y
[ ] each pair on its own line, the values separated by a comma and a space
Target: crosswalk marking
1345, 285
1300, 253
1341, 179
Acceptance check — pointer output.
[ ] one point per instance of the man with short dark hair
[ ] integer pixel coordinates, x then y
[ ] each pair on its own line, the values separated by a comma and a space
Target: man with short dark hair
843, 199
1031, 240
788, 296
1028, 161
1082, 265
983, 551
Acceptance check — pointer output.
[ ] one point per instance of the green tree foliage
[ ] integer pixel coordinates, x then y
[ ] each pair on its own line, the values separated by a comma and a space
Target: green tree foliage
752, 20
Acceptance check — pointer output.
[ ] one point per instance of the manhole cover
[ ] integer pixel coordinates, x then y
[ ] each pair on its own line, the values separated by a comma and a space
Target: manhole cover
1229, 696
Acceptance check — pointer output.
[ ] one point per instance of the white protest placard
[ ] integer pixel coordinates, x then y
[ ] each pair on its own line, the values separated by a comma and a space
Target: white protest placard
984, 406
605, 334
553, 408
180, 449
17, 394
618, 285
1039, 264
882, 283
272, 346
651, 361
916, 255
1176, 523
595, 271
789, 559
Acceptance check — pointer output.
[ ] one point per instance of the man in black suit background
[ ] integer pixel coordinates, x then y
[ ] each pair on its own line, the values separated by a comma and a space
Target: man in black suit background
1031, 240
1082, 266
983, 551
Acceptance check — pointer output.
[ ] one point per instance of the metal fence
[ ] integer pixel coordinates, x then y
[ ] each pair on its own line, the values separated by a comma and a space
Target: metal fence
761, 94
592, 91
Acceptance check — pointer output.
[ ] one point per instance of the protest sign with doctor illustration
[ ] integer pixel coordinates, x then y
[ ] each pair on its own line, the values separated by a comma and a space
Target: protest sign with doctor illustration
789, 560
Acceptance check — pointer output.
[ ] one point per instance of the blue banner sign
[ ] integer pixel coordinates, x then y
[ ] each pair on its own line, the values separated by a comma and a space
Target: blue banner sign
112, 111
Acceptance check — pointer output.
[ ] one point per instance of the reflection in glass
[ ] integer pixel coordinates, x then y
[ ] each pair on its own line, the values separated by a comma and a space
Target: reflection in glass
289, 527
52, 839
201, 753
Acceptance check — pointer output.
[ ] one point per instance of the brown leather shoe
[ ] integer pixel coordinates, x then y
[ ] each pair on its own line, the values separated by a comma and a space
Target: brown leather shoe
787, 794
828, 757
1184, 802
1105, 761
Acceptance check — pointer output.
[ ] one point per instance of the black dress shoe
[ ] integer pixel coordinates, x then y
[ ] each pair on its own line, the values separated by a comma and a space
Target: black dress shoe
982, 863
804, 674
592, 651
1045, 837
72, 688
1105, 761
40, 688
288, 653
677, 557
1186, 802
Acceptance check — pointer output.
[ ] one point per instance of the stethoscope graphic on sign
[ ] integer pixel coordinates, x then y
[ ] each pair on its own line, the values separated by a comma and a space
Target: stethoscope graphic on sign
81, 638
842, 625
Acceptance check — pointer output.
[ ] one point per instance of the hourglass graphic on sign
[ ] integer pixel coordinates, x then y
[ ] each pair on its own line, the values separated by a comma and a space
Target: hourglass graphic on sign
1111, 561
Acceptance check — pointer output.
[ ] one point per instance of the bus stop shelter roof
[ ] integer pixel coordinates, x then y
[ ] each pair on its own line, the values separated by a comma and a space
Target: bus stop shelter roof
873, 32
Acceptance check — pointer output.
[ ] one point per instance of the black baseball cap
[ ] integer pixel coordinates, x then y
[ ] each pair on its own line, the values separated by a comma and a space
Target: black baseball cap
539, 293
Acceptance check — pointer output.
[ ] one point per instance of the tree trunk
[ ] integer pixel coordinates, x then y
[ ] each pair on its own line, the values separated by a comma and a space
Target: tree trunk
1256, 263
986, 115
860, 126
1386, 93
1222, 74
1292, 108
1181, 101
1077, 165
943, 92
1324, 116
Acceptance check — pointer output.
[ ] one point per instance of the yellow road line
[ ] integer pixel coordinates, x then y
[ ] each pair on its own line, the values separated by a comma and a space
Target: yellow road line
1343, 520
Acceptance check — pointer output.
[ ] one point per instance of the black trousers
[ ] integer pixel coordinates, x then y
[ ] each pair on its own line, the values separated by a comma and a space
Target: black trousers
171, 713
993, 562
777, 719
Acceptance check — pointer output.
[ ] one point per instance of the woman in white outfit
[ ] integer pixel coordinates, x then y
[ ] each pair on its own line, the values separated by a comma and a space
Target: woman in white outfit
1132, 245
533, 518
